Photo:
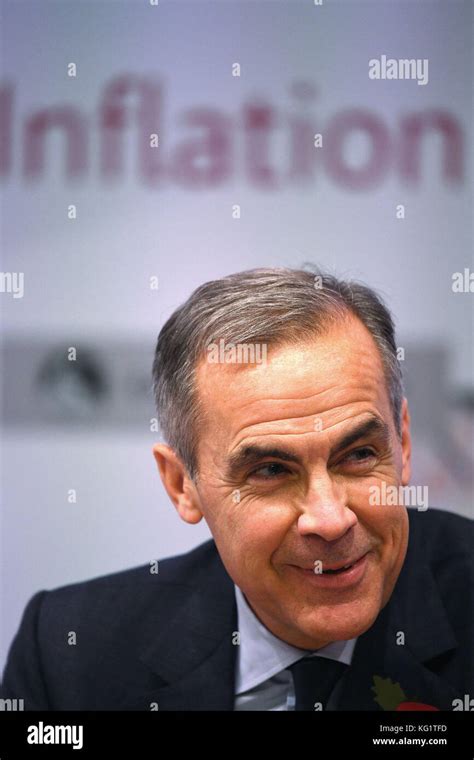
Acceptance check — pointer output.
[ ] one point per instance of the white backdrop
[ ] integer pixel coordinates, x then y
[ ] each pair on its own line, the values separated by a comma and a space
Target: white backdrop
89, 277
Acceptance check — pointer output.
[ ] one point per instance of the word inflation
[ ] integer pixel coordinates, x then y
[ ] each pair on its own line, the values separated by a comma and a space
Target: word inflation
132, 127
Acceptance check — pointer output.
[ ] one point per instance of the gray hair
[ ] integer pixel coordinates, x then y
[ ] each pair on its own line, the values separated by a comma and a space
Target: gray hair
272, 307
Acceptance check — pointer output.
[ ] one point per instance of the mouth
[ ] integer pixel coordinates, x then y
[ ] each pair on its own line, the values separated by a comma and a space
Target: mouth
337, 576
340, 568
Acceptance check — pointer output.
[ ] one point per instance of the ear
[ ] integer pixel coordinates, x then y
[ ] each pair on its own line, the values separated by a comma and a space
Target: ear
178, 484
406, 444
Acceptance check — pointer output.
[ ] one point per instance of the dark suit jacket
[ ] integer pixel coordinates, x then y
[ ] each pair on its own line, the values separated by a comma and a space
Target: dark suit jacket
167, 638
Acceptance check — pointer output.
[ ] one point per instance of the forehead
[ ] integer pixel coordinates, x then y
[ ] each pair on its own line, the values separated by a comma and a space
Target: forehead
328, 375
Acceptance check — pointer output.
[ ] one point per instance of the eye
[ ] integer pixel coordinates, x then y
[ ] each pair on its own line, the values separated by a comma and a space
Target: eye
359, 456
269, 471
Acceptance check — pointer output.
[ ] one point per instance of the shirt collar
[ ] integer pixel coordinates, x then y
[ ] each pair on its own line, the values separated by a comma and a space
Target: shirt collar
262, 655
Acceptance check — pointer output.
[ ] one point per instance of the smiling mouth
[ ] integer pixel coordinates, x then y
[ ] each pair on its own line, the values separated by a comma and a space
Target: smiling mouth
336, 570
339, 569
335, 578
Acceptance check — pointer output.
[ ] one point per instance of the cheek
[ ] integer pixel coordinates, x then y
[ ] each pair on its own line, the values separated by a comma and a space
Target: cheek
396, 521
390, 526
386, 523
249, 533
265, 526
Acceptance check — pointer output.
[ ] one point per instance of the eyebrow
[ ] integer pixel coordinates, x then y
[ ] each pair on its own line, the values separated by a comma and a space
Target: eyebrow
248, 455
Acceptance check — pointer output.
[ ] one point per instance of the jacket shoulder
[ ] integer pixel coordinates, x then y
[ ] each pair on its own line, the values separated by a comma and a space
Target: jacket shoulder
119, 600
176, 569
67, 632
441, 535
444, 541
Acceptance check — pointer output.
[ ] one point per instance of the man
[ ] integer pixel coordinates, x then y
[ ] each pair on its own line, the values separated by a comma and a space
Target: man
280, 399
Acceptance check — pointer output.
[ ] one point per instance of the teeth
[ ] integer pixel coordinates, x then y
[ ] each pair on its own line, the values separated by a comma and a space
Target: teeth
339, 570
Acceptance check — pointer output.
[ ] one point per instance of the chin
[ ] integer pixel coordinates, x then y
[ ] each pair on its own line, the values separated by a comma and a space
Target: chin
338, 623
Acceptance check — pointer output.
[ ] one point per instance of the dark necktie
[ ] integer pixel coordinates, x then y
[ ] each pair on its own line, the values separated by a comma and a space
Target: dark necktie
315, 679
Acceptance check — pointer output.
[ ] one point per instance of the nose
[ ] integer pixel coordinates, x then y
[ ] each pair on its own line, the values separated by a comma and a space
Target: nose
324, 512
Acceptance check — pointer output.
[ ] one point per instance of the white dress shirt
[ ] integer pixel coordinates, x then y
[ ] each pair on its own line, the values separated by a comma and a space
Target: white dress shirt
262, 679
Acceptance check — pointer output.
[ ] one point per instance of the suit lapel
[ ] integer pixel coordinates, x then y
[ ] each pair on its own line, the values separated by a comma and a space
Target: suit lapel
381, 661
192, 657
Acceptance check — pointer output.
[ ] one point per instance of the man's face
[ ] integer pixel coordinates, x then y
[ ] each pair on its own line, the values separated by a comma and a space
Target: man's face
285, 490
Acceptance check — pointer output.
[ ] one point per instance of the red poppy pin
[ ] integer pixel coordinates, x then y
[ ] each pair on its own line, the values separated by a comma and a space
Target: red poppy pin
390, 696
